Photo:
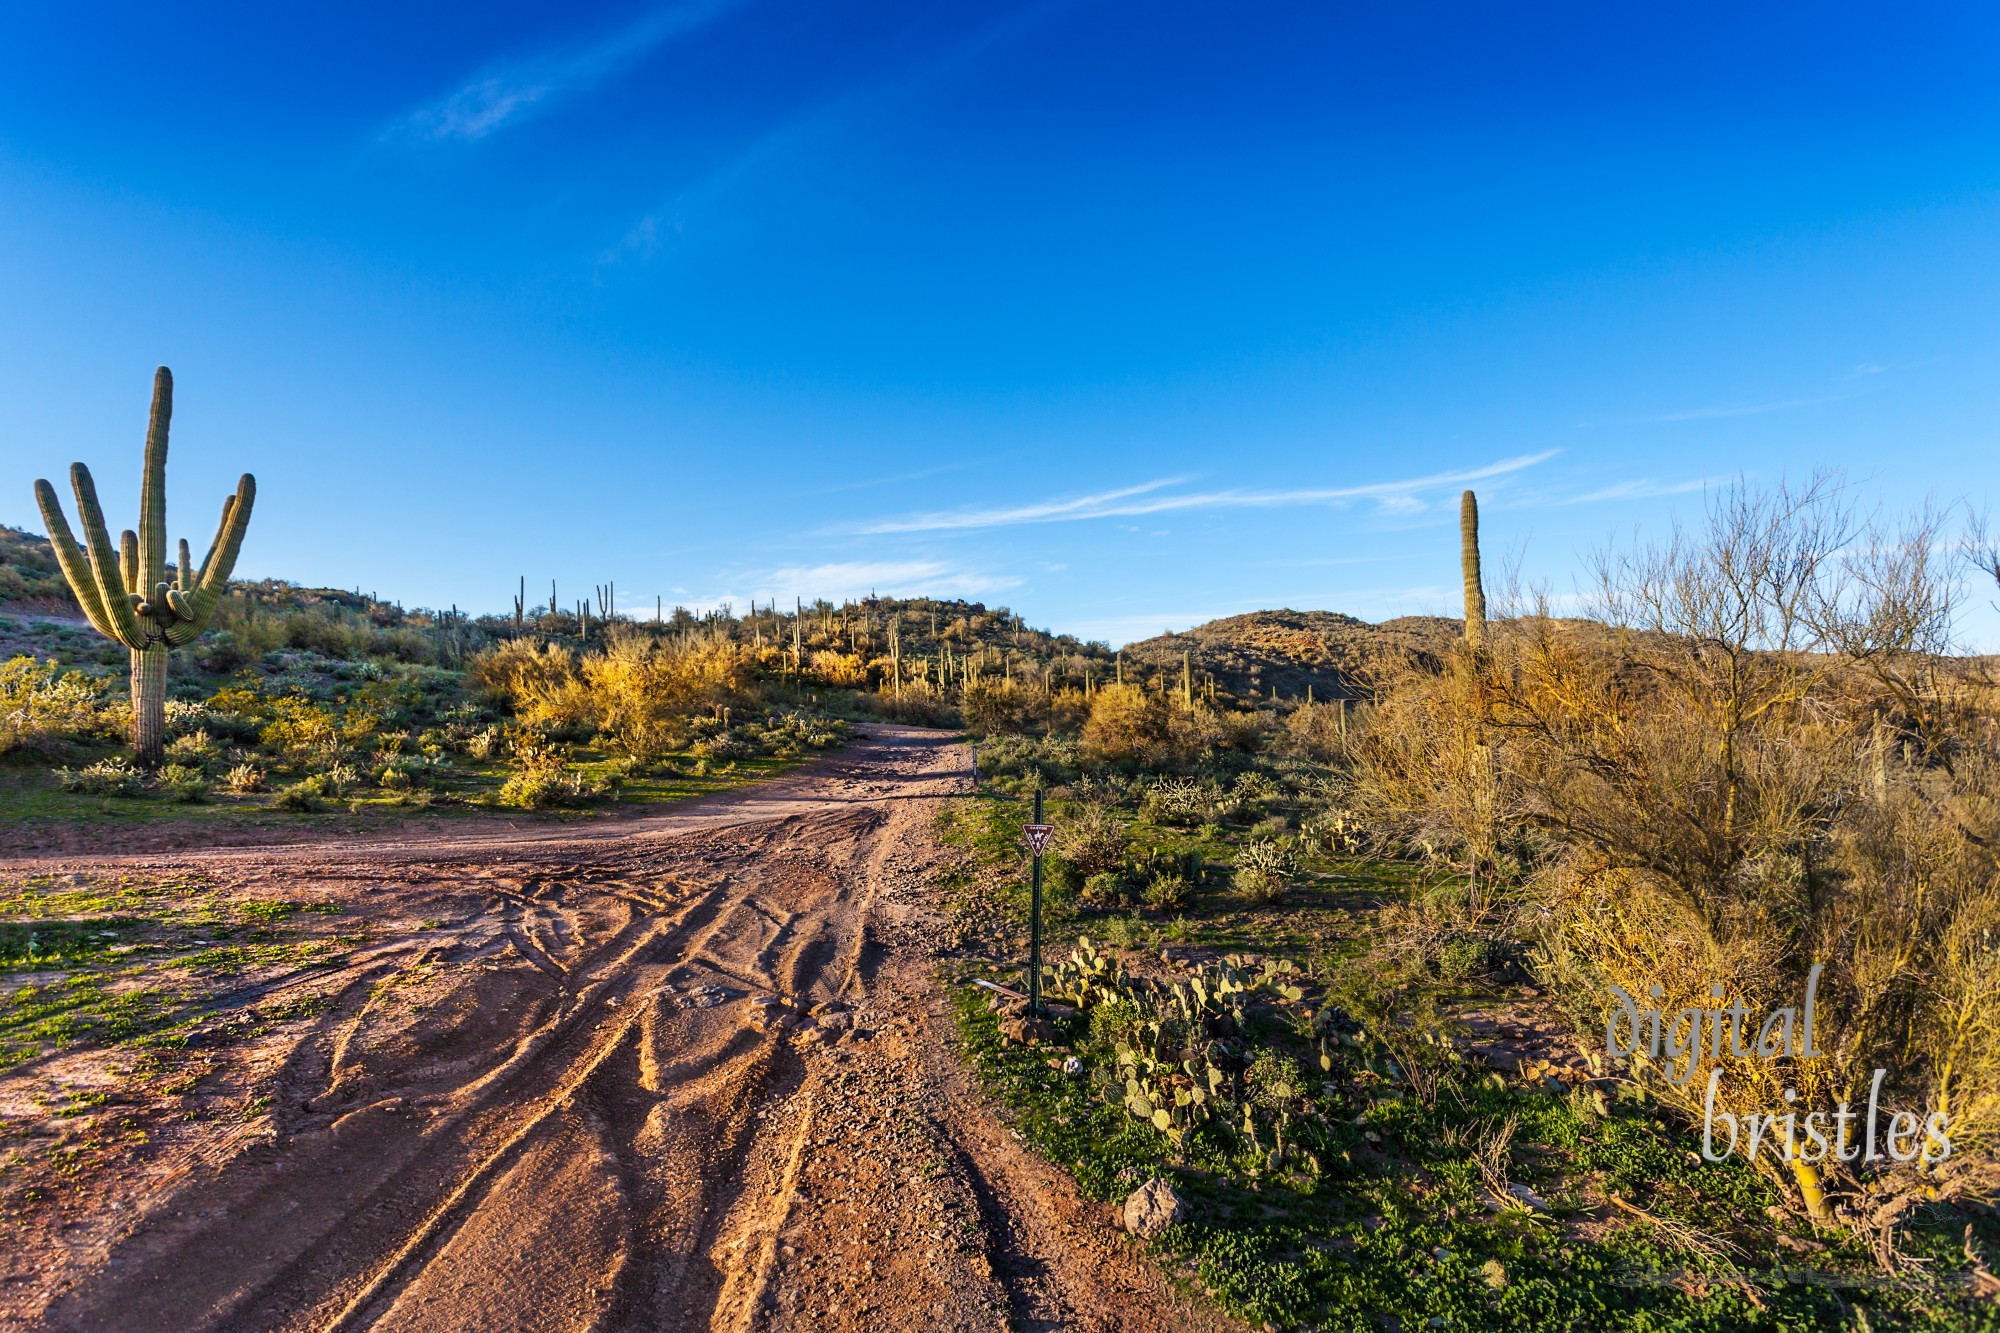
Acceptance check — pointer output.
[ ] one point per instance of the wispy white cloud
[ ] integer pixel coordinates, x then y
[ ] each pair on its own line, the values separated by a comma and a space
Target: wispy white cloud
897, 478
1745, 409
841, 580
1147, 498
511, 90
1643, 488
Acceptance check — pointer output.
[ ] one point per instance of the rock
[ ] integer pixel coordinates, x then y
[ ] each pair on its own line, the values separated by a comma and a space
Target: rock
1152, 1208
1025, 1031
1528, 1196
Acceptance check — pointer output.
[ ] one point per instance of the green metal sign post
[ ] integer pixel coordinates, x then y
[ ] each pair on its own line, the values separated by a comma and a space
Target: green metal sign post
1037, 835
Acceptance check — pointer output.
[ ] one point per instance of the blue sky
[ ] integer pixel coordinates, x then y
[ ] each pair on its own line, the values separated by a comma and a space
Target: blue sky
1125, 316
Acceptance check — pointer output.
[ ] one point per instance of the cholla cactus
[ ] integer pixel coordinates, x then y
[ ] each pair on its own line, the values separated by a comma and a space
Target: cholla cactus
1264, 869
125, 593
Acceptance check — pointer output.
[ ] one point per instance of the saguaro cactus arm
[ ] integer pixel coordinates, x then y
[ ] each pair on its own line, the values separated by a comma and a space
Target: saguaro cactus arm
193, 609
75, 565
153, 488
1475, 592
104, 563
129, 570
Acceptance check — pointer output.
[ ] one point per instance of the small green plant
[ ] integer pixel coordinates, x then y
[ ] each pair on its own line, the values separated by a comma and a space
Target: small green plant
184, 783
1183, 801
192, 748
303, 796
244, 779
1264, 869
1168, 892
339, 779
543, 775
106, 777
1105, 889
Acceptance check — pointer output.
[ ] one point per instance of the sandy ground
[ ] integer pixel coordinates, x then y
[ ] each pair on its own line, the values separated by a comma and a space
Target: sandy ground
688, 1071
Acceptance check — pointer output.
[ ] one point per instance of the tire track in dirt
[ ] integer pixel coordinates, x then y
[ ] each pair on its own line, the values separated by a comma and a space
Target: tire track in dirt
686, 1074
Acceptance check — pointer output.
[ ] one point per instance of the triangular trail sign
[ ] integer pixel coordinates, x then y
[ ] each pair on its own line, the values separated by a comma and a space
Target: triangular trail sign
1037, 836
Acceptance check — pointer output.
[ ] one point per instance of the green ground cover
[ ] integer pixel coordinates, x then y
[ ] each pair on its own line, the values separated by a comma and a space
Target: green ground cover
1353, 1167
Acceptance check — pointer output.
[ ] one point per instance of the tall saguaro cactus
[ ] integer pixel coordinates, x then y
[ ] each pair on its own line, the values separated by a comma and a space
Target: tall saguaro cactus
125, 593
1475, 592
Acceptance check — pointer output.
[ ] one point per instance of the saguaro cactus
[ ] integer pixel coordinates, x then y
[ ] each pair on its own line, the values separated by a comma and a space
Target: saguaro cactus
1475, 594
125, 593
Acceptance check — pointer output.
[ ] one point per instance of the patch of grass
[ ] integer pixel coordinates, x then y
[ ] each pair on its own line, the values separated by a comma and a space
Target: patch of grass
1397, 1234
132, 961
45, 945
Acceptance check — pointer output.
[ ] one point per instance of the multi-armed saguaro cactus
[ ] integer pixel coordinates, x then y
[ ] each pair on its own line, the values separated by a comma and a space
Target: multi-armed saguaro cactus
125, 593
1475, 593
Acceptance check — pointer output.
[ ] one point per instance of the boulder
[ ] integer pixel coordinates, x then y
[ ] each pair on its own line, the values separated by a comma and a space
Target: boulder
1026, 1030
1152, 1208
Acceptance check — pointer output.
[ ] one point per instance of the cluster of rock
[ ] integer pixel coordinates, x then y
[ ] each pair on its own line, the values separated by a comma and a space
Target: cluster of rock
827, 1021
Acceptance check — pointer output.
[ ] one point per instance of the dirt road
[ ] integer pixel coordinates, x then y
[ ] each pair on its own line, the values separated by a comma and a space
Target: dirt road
686, 1072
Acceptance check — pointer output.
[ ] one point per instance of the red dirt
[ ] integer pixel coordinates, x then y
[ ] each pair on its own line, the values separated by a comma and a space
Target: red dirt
555, 1105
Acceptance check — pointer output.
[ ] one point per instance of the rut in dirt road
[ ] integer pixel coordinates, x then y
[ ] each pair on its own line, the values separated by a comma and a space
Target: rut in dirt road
690, 1075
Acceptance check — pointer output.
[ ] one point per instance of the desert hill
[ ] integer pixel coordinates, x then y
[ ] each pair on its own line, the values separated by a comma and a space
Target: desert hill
1288, 651
1248, 657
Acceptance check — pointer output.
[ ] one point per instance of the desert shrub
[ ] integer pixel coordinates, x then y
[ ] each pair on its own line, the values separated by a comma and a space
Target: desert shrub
1254, 788
1129, 725
302, 797
723, 748
194, 748
184, 783
244, 779
837, 669
1091, 840
1167, 892
542, 774
638, 692
1022, 763
1761, 758
40, 703
405, 772
1265, 868
1105, 889
1181, 801
1321, 730
301, 729
185, 717
1008, 707
338, 779
106, 777
221, 652
539, 681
